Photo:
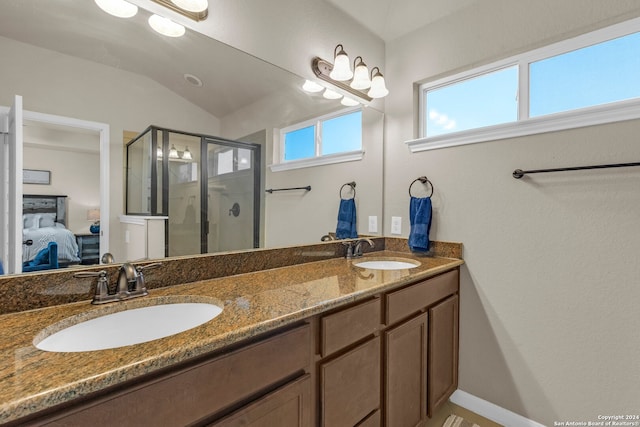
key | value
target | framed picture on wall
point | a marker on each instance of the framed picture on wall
(34, 176)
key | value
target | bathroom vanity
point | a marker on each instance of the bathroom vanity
(323, 343)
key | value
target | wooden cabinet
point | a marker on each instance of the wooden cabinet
(405, 380)
(443, 351)
(349, 374)
(389, 361)
(207, 390)
(289, 406)
(88, 248)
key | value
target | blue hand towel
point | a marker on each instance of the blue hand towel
(420, 217)
(346, 228)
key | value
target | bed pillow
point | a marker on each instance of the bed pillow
(31, 221)
(47, 220)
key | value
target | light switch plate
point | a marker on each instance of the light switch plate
(373, 224)
(396, 225)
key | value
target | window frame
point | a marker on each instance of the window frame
(525, 125)
(347, 156)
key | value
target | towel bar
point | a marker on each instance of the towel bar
(424, 180)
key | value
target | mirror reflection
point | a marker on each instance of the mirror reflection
(73, 60)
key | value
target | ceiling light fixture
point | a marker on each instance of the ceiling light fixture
(166, 26)
(362, 81)
(119, 8)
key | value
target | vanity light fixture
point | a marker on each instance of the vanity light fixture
(119, 8)
(166, 26)
(361, 78)
(378, 87)
(192, 5)
(342, 66)
(324, 70)
(312, 87)
(331, 94)
(349, 102)
(196, 10)
(173, 153)
(186, 154)
(159, 152)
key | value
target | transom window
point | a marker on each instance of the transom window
(577, 82)
(324, 136)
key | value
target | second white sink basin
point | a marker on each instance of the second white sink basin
(133, 326)
(390, 264)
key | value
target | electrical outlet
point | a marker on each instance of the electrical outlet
(373, 224)
(396, 225)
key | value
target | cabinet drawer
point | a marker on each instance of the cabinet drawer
(348, 326)
(410, 300)
(350, 385)
(191, 394)
(289, 406)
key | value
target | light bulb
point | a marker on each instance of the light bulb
(331, 94)
(173, 153)
(342, 66)
(311, 87)
(166, 26)
(192, 5)
(361, 79)
(119, 8)
(349, 102)
(378, 87)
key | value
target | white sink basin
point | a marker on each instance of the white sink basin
(390, 264)
(133, 326)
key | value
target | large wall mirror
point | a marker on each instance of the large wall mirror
(72, 59)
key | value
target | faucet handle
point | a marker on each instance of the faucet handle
(350, 246)
(140, 286)
(102, 287)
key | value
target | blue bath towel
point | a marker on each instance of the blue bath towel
(346, 228)
(420, 217)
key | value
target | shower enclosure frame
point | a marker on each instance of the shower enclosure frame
(205, 140)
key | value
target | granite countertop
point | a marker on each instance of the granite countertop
(32, 380)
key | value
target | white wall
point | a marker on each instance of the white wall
(59, 84)
(55, 151)
(550, 288)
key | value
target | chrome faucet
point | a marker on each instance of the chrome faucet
(130, 283)
(354, 247)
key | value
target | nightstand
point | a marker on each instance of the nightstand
(88, 248)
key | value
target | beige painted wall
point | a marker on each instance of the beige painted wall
(551, 284)
(58, 84)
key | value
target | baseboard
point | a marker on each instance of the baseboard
(491, 411)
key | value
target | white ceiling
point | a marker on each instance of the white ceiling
(391, 19)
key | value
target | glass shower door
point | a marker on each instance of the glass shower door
(232, 195)
(184, 204)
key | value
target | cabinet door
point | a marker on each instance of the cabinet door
(443, 352)
(350, 385)
(406, 374)
(289, 406)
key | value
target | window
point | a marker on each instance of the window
(327, 139)
(485, 100)
(578, 82)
